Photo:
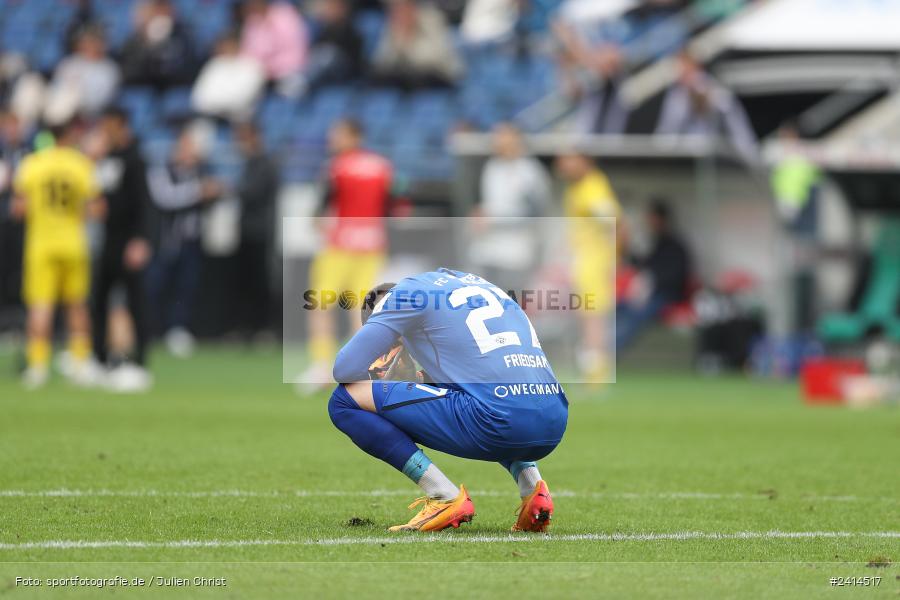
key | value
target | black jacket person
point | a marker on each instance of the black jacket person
(126, 250)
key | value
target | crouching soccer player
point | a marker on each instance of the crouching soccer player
(491, 394)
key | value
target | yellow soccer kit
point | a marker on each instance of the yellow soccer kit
(335, 271)
(57, 184)
(592, 207)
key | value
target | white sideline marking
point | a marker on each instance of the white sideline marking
(69, 493)
(452, 538)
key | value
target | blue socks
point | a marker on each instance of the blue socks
(515, 467)
(376, 435)
(416, 466)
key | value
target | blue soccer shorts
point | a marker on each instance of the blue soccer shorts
(523, 428)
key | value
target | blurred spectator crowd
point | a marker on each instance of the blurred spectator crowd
(411, 71)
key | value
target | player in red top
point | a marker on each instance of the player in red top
(358, 197)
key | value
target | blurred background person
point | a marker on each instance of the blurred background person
(415, 50)
(23, 90)
(796, 183)
(697, 105)
(230, 83)
(160, 52)
(125, 252)
(13, 148)
(595, 233)
(274, 34)
(357, 198)
(85, 82)
(593, 73)
(488, 21)
(179, 190)
(14, 137)
(513, 183)
(257, 190)
(663, 277)
(532, 25)
(336, 54)
(84, 17)
(53, 188)
(514, 187)
(602, 108)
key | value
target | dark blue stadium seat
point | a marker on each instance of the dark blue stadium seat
(141, 107)
(379, 104)
(331, 101)
(117, 18)
(302, 161)
(46, 55)
(431, 102)
(176, 103)
(312, 128)
(277, 118)
(207, 20)
(17, 39)
(276, 107)
(370, 24)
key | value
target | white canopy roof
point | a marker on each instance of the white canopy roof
(579, 11)
(817, 25)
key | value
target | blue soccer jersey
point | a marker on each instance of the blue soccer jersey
(468, 334)
(496, 397)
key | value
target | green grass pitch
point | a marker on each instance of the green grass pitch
(665, 485)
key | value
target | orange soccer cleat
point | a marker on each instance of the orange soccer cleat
(440, 514)
(536, 510)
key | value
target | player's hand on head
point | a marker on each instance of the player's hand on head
(380, 366)
(396, 365)
(403, 368)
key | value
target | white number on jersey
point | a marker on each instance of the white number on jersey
(486, 340)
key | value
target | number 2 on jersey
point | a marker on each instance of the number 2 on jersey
(492, 309)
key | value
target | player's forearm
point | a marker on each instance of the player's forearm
(370, 342)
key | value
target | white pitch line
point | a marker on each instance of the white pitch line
(452, 539)
(235, 493)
